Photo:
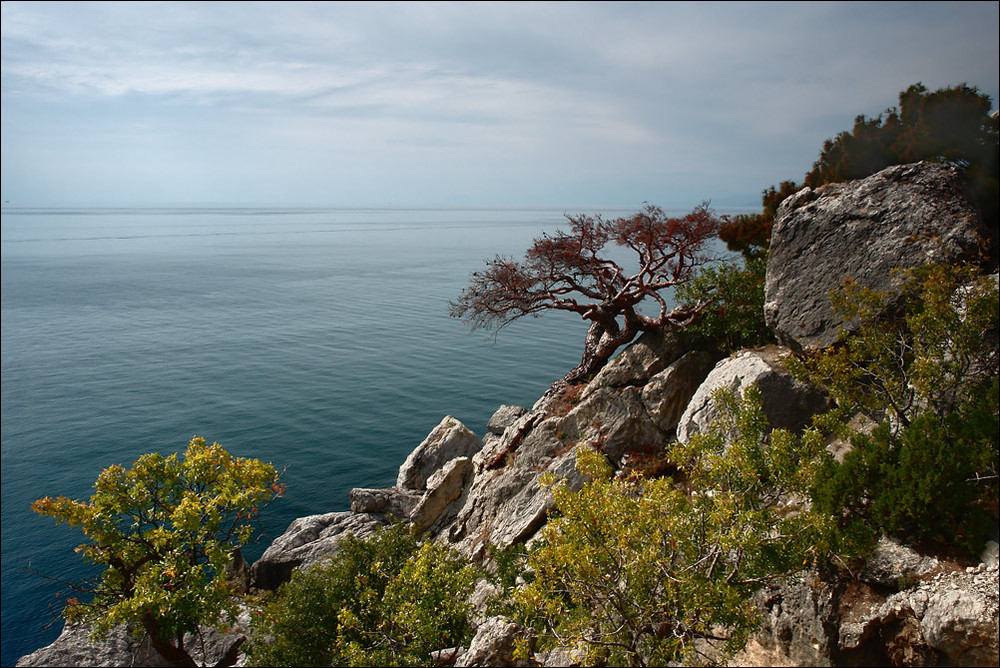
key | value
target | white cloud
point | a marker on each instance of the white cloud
(640, 91)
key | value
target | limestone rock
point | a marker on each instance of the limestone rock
(442, 488)
(798, 626)
(950, 619)
(642, 359)
(74, 647)
(493, 644)
(446, 441)
(902, 216)
(393, 501)
(787, 402)
(504, 417)
(891, 560)
(668, 393)
(308, 540)
(505, 502)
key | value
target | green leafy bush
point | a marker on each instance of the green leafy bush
(644, 571)
(165, 531)
(386, 601)
(923, 365)
(735, 319)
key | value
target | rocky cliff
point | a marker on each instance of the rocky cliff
(905, 607)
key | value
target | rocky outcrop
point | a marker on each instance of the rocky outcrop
(948, 618)
(903, 216)
(448, 440)
(788, 403)
(74, 647)
(494, 644)
(308, 540)
(903, 608)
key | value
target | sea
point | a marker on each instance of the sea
(314, 338)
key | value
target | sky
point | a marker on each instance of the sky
(455, 104)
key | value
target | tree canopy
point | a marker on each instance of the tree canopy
(166, 531)
(571, 272)
(950, 124)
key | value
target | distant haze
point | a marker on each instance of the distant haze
(499, 104)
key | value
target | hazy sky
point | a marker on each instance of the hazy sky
(456, 104)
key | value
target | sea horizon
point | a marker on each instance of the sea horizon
(316, 338)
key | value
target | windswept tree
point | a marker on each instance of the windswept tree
(571, 272)
(166, 531)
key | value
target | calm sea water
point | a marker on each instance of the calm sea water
(316, 339)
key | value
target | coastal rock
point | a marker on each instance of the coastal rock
(448, 440)
(493, 644)
(788, 403)
(394, 501)
(950, 619)
(442, 488)
(504, 417)
(74, 647)
(626, 408)
(902, 216)
(308, 540)
(798, 624)
(892, 561)
(668, 393)
(642, 359)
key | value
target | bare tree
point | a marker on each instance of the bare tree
(567, 272)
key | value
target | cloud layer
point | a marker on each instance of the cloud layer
(507, 103)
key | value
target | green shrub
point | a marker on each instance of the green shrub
(735, 319)
(382, 602)
(645, 571)
(923, 365)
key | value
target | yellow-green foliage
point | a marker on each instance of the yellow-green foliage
(386, 601)
(165, 530)
(646, 571)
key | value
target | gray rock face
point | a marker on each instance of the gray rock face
(799, 624)
(493, 644)
(504, 417)
(73, 647)
(308, 540)
(903, 216)
(641, 360)
(668, 393)
(442, 488)
(393, 501)
(787, 402)
(951, 619)
(448, 440)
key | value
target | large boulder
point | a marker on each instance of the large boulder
(309, 540)
(903, 216)
(788, 403)
(448, 440)
(668, 393)
(494, 644)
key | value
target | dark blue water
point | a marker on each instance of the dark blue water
(318, 340)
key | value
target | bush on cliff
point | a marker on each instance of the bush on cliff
(928, 374)
(387, 601)
(165, 530)
(645, 571)
(735, 292)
